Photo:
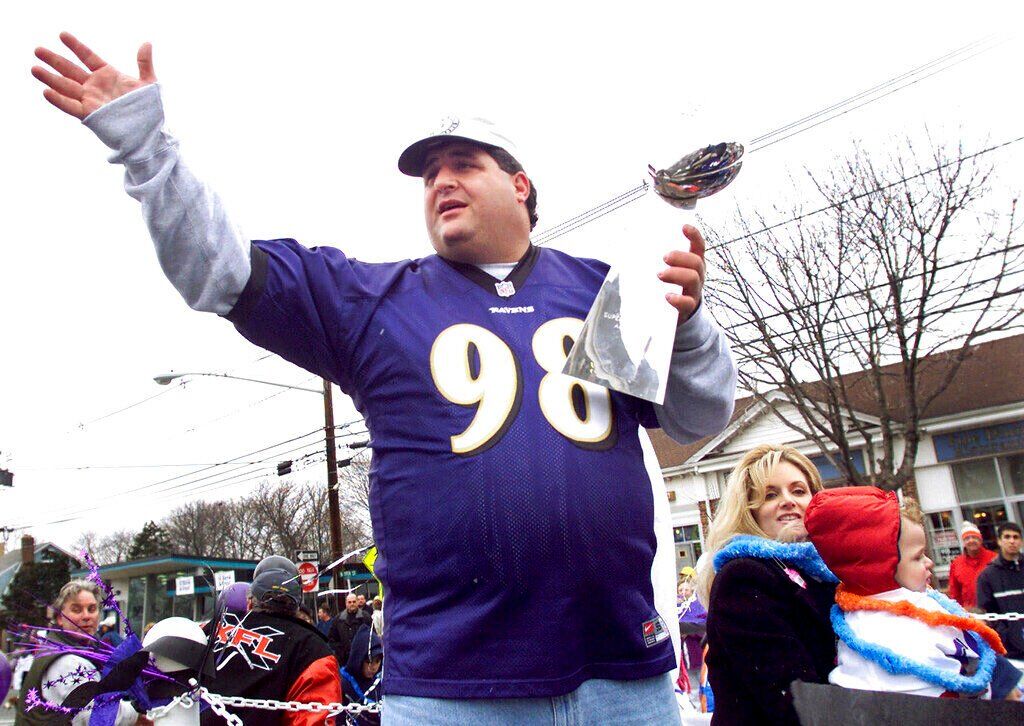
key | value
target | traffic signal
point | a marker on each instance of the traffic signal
(284, 467)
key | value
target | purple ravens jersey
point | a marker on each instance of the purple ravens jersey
(512, 507)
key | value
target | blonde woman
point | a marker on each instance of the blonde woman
(769, 593)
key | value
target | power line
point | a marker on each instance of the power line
(874, 190)
(871, 100)
(88, 467)
(873, 89)
(150, 485)
(882, 285)
(81, 426)
(130, 406)
(591, 215)
(190, 487)
(848, 335)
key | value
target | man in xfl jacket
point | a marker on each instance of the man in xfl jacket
(269, 653)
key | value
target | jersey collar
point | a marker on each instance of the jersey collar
(502, 289)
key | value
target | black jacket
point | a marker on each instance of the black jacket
(764, 632)
(365, 645)
(343, 629)
(263, 655)
(1001, 590)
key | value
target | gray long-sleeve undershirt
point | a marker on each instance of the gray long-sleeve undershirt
(206, 258)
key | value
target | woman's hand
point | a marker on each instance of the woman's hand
(78, 92)
(793, 532)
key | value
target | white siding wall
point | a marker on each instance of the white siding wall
(766, 429)
(935, 488)
(689, 489)
(926, 452)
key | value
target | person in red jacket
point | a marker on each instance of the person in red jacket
(964, 570)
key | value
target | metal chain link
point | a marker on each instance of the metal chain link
(218, 705)
(184, 700)
(268, 704)
(998, 616)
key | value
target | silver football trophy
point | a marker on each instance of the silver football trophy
(626, 340)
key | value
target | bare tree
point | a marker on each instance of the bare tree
(354, 484)
(200, 529)
(862, 311)
(106, 549)
(274, 518)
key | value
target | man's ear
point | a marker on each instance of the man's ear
(522, 185)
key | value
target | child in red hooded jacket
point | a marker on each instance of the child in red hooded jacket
(895, 633)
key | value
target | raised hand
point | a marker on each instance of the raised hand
(686, 269)
(78, 92)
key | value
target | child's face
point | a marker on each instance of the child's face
(915, 569)
(370, 667)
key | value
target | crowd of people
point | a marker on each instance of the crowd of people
(264, 647)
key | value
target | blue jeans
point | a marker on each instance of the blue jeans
(647, 702)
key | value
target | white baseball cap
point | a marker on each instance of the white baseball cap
(473, 129)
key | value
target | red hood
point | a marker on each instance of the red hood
(856, 530)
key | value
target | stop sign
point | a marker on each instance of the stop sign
(308, 576)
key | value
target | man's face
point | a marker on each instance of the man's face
(350, 604)
(360, 600)
(475, 212)
(324, 615)
(1009, 544)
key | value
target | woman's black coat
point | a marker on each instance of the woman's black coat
(764, 632)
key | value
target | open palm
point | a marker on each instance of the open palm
(78, 92)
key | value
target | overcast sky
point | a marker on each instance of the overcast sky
(297, 117)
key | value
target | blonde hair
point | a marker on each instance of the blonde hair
(743, 496)
(911, 511)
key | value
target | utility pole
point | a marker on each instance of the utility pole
(333, 503)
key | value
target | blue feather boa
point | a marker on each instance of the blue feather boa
(902, 666)
(800, 555)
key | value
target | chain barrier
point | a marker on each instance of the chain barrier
(218, 704)
(997, 616)
(184, 701)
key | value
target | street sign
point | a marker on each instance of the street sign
(309, 576)
(224, 579)
(307, 556)
(185, 585)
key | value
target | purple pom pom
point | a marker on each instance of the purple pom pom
(234, 597)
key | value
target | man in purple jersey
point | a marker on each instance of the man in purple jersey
(523, 532)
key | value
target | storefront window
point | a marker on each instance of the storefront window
(942, 535)
(986, 517)
(183, 606)
(976, 480)
(136, 602)
(1011, 471)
